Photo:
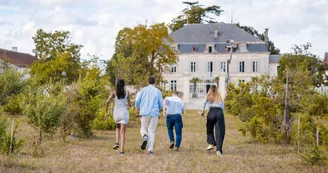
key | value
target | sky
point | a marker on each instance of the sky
(95, 23)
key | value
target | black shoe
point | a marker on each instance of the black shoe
(144, 143)
(150, 153)
(116, 146)
(121, 153)
(171, 145)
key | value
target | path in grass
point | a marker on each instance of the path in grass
(96, 155)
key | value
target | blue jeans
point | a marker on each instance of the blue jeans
(176, 122)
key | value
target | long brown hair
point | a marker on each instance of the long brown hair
(213, 95)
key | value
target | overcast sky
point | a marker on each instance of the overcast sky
(95, 23)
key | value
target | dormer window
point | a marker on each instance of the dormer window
(194, 49)
(210, 49)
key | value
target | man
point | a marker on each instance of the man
(173, 110)
(149, 101)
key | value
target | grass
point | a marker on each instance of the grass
(96, 155)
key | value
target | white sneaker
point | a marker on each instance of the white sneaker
(210, 147)
(219, 154)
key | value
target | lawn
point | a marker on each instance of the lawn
(96, 155)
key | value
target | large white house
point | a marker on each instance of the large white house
(203, 54)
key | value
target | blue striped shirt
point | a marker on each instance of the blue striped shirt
(150, 101)
(174, 105)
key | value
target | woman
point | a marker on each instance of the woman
(215, 118)
(121, 113)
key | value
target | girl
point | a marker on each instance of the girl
(215, 118)
(121, 113)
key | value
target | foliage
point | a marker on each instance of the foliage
(43, 110)
(100, 124)
(302, 59)
(5, 138)
(194, 14)
(12, 106)
(315, 156)
(166, 94)
(271, 47)
(11, 84)
(195, 81)
(84, 99)
(56, 55)
(147, 50)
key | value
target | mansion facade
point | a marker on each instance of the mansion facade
(203, 54)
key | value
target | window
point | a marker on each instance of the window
(193, 67)
(210, 67)
(242, 66)
(255, 66)
(241, 81)
(173, 68)
(210, 49)
(223, 66)
(173, 85)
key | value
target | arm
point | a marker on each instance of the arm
(138, 100)
(204, 105)
(160, 100)
(110, 98)
(164, 107)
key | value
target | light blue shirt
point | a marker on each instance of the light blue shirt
(150, 101)
(213, 105)
(174, 105)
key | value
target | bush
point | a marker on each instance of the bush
(12, 106)
(100, 124)
(315, 156)
(6, 137)
(44, 111)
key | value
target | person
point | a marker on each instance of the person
(121, 113)
(173, 110)
(215, 119)
(148, 104)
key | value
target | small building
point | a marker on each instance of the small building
(20, 62)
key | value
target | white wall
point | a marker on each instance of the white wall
(273, 69)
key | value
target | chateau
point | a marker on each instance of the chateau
(203, 51)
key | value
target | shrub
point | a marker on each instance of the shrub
(5, 138)
(100, 124)
(43, 111)
(315, 156)
(12, 106)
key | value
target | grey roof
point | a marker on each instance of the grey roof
(188, 48)
(257, 48)
(274, 58)
(204, 33)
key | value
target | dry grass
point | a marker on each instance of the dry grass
(96, 155)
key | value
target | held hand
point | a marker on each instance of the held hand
(202, 113)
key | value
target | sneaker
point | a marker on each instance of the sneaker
(121, 153)
(176, 149)
(144, 143)
(210, 147)
(150, 153)
(171, 145)
(116, 146)
(219, 154)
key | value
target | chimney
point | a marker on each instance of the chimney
(216, 33)
(266, 36)
(14, 49)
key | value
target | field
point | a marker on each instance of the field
(96, 155)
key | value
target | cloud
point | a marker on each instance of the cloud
(95, 23)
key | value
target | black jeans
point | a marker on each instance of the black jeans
(215, 118)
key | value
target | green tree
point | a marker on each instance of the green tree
(302, 59)
(11, 84)
(195, 14)
(195, 81)
(43, 110)
(56, 55)
(271, 47)
(148, 46)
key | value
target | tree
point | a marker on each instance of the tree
(195, 14)
(271, 47)
(4, 62)
(149, 45)
(217, 80)
(302, 59)
(43, 110)
(11, 84)
(56, 55)
(194, 81)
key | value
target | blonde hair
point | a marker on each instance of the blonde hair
(213, 95)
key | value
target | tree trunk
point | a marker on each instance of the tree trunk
(298, 133)
(286, 122)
